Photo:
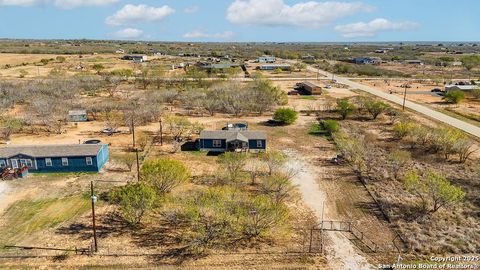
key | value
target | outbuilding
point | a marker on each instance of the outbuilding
(309, 88)
(266, 59)
(55, 158)
(77, 116)
(283, 67)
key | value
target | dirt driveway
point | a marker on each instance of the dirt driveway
(341, 253)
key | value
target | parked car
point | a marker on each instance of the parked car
(293, 93)
(109, 131)
(328, 86)
(436, 90)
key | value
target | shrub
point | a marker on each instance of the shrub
(375, 107)
(398, 160)
(433, 189)
(476, 93)
(454, 97)
(345, 108)
(233, 164)
(402, 129)
(285, 115)
(164, 174)
(134, 200)
(329, 126)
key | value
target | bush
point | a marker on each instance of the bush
(402, 129)
(375, 107)
(134, 200)
(433, 189)
(164, 174)
(329, 126)
(454, 97)
(286, 116)
(345, 108)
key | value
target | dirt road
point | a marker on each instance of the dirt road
(341, 254)
(454, 122)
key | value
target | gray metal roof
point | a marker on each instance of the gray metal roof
(77, 112)
(233, 134)
(65, 150)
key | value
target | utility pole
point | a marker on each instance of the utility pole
(94, 200)
(133, 133)
(161, 131)
(135, 149)
(404, 96)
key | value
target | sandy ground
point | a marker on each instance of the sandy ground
(4, 188)
(341, 254)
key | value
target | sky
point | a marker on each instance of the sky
(242, 20)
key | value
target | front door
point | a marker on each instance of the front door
(14, 163)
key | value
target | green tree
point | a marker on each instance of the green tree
(233, 163)
(471, 61)
(454, 97)
(261, 217)
(398, 159)
(433, 189)
(127, 159)
(285, 116)
(164, 174)
(134, 201)
(345, 108)
(375, 107)
(9, 126)
(277, 186)
(274, 160)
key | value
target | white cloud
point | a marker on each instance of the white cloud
(65, 4)
(370, 29)
(200, 34)
(191, 9)
(128, 33)
(131, 14)
(305, 14)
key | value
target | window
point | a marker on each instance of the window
(259, 144)
(89, 161)
(2, 163)
(48, 162)
(14, 163)
(217, 143)
(64, 161)
(29, 163)
(23, 162)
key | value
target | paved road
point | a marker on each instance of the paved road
(454, 122)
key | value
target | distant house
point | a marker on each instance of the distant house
(367, 60)
(451, 87)
(232, 140)
(220, 66)
(414, 62)
(266, 59)
(136, 58)
(284, 67)
(77, 116)
(55, 158)
(308, 58)
(309, 88)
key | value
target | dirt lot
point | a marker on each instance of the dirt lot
(420, 92)
(345, 199)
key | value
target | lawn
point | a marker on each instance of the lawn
(26, 217)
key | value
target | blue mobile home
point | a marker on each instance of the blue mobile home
(232, 140)
(55, 158)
